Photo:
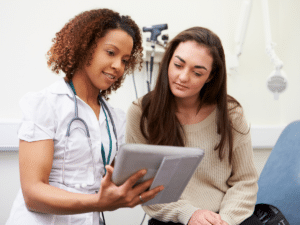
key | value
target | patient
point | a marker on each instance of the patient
(190, 107)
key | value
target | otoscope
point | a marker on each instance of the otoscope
(155, 32)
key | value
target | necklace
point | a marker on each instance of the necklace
(105, 162)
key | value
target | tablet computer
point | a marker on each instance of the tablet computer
(134, 157)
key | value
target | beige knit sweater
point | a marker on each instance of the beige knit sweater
(216, 185)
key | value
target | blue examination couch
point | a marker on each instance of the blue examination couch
(279, 182)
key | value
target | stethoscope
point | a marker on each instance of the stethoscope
(87, 134)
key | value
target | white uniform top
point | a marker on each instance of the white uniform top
(46, 115)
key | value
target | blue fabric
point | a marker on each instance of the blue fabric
(279, 182)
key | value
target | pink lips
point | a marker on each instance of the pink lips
(106, 74)
(181, 86)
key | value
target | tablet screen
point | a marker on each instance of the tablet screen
(134, 157)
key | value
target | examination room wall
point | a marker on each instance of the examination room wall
(27, 28)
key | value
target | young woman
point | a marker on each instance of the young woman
(189, 106)
(69, 134)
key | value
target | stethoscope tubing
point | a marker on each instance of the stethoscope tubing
(111, 120)
(68, 133)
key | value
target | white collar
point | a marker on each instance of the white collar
(60, 87)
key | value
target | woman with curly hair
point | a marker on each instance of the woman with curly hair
(65, 153)
(191, 91)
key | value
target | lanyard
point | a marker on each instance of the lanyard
(110, 144)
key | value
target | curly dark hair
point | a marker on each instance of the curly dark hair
(75, 43)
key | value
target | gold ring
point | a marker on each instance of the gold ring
(141, 198)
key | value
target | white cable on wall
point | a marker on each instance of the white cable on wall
(277, 81)
(242, 26)
(240, 35)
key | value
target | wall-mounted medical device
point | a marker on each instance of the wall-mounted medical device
(276, 82)
(155, 31)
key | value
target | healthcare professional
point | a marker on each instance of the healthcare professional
(69, 134)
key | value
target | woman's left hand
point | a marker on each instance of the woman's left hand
(111, 197)
(206, 217)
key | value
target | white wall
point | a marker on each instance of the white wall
(27, 27)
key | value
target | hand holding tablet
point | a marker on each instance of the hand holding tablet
(170, 166)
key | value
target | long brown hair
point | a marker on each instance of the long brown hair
(75, 43)
(158, 106)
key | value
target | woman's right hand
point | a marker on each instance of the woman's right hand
(206, 217)
(111, 197)
(36, 158)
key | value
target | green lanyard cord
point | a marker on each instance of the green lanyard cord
(72, 86)
(110, 144)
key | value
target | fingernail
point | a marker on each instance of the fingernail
(144, 172)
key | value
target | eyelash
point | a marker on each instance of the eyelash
(112, 53)
(179, 66)
(125, 62)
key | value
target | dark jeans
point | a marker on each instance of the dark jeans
(253, 220)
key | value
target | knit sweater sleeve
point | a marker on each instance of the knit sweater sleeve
(133, 133)
(239, 200)
(180, 211)
(177, 212)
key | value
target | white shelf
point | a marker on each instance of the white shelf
(263, 136)
(9, 135)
